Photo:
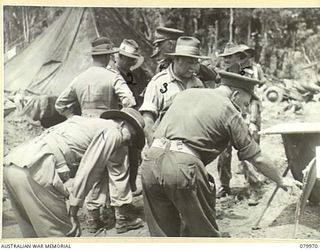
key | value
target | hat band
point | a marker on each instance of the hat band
(102, 48)
(185, 49)
(128, 49)
(160, 37)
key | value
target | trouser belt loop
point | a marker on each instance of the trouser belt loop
(179, 145)
(167, 144)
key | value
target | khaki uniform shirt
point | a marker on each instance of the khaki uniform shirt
(97, 89)
(162, 89)
(79, 148)
(207, 122)
(136, 80)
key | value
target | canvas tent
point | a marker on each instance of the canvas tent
(49, 63)
(60, 53)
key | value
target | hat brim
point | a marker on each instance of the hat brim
(109, 52)
(187, 55)
(140, 59)
(251, 81)
(249, 52)
(138, 64)
(231, 53)
(118, 114)
(159, 40)
(124, 53)
(236, 82)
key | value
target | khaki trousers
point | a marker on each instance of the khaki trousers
(178, 198)
(39, 212)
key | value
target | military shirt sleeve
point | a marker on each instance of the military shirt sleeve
(255, 111)
(152, 99)
(261, 76)
(93, 164)
(241, 139)
(123, 92)
(67, 101)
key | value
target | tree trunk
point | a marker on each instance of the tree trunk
(27, 24)
(161, 21)
(230, 26)
(187, 23)
(7, 29)
(249, 32)
(147, 34)
(24, 23)
(216, 24)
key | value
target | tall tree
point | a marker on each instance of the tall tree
(231, 26)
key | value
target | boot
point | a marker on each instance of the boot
(223, 191)
(124, 223)
(108, 217)
(254, 198)
(93, 220)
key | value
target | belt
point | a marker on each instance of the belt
(173, 145)
(93, 112)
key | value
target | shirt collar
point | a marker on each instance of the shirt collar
(174, 77)
(236, 106)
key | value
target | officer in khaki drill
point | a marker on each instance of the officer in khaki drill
(128, 64)
(165, 85)
(232, 56)
(178, 198)
(96, 90)
(236, 60)
(165, 41)
(253, 118)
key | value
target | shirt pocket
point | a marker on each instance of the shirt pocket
(186, 176)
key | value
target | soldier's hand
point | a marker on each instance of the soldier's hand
(289, 183)
(76, 229)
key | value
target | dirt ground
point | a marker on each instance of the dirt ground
(233, 213)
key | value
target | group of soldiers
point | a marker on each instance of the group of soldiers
(171, 127)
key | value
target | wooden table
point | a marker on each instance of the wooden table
(300, 141)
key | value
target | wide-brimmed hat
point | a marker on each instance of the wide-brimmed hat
(164, 33)
(249, 51)
(130, 48)
(102, 46)
(239, 81)
(231, 49)
(133, 117)
(187, 46)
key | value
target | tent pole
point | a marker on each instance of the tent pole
(94, 22)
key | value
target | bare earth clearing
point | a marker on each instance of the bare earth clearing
(233, 213)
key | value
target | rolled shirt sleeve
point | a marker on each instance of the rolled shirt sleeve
(241, 138)
(255, 112)
(93, 164)
(123, 91)
(67, 101)
(152, 99)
